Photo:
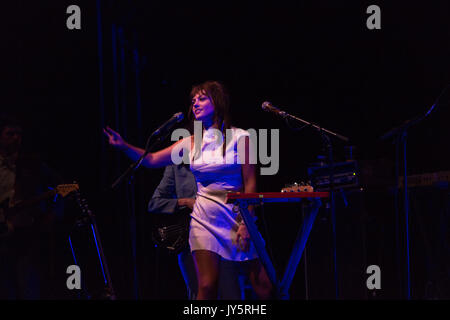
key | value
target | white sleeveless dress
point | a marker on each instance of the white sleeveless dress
(213, 224)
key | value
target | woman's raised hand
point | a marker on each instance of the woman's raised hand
(114, 138)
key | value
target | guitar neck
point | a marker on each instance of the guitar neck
(35, 200)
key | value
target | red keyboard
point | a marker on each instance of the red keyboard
(274, 196)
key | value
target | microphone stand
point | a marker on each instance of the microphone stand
(325, 136)
(321, 130)
(129, 172)
(129, 176)
(399, 135)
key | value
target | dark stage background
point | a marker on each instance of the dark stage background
(131, 66)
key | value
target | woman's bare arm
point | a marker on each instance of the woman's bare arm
(249, 184)
(156, 159)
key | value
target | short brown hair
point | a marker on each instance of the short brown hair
(220, 98)
(218, 93)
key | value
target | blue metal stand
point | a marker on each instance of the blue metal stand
(281, 288)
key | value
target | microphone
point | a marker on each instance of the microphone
(269, 107)
(177, 117)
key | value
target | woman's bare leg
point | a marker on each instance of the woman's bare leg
(260, 281)
(207, 268)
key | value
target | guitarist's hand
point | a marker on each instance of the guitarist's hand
(186, 202)
(114, 138)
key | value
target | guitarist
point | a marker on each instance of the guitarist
(174, 199)
(25, 256)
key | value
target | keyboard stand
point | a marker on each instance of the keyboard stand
(281, 288)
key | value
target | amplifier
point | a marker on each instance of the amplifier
(440, 178)
(345, 175)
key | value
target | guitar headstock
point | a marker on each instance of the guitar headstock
(298, 187)
(65, 189)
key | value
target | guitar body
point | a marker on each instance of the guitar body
(171, 231)
(24, 214)
(17, 226)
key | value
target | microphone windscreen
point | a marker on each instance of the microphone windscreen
(179, 116)
(266, 105)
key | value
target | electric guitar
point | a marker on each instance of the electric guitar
(171, 231)
(18, 217)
